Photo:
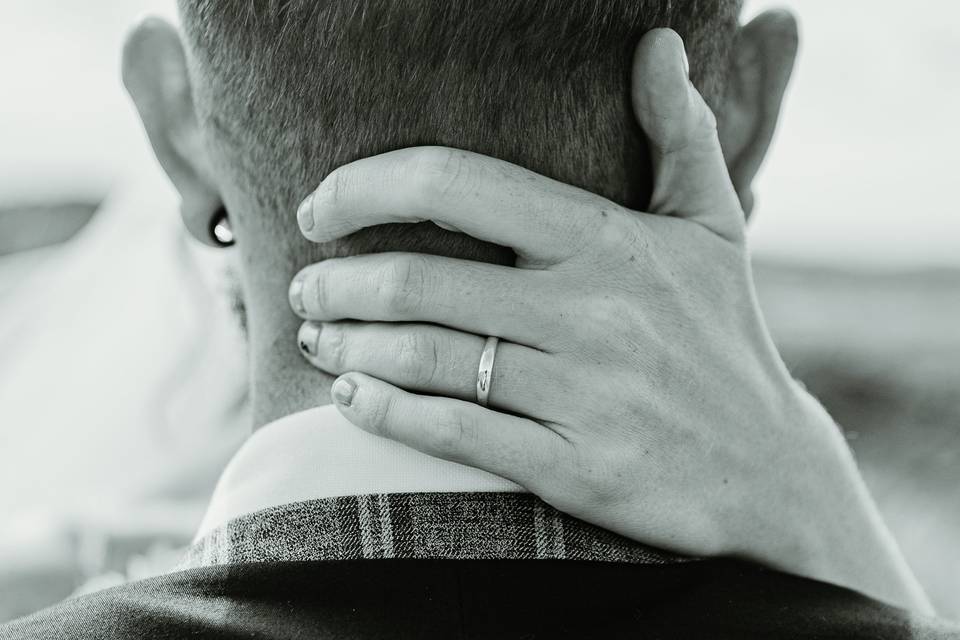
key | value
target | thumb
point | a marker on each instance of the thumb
(691, 180)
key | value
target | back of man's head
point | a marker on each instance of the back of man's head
(287, 90)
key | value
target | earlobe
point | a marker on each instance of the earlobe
(760, 69)
(156, 76)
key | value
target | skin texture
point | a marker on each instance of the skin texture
(612, 322)
(682, 405)
(157, 75)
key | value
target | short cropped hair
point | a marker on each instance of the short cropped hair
(289, 90)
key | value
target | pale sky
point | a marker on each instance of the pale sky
(865, 165)
(863, 171)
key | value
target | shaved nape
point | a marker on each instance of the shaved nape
(287, 90)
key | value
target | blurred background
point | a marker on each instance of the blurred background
(118, 406)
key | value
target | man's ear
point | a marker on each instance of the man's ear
(760, 69)
(155, 74)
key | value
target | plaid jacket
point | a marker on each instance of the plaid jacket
(448, 526)
(495, 566)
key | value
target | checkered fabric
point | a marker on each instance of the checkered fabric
(455, 526)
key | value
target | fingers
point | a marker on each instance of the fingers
(514, 448)
(516, 304)
(542, 220)
(690, 175)
(436, 360)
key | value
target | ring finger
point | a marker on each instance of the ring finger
(436, 360)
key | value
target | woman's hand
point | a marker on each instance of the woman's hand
(635, 385)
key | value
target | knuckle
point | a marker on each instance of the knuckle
(618, 234)
(417, 358)
(451, 433)
(336, 348)
(319, 292)
(336, 186)
(704, 138)
(403, 285)
(437, 172)
(380, 414)
(609, 310)
(708, 120)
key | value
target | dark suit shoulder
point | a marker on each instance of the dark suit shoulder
(422, 599)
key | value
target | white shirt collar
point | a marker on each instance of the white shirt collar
(318, 454)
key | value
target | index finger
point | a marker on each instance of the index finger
(542, 220)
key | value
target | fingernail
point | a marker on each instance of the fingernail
(343, 390)
(686, 60)
(305, 214)
(296, 294)
(309, 338)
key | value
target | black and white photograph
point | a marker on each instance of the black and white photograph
(479, 319)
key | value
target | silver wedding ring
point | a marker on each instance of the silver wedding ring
(485, 373)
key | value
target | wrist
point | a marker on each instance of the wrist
(824, 524)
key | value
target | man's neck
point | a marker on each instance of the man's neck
(282, 382)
